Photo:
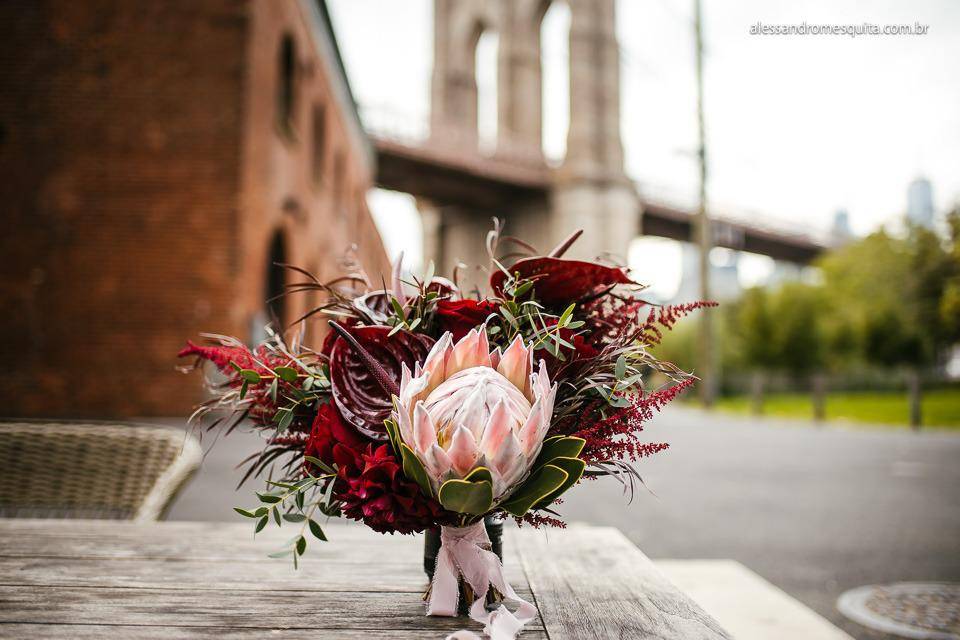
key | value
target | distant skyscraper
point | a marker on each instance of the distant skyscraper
(840, 233)
(920, 203)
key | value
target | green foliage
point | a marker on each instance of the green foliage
(542, 483)
(467, 496)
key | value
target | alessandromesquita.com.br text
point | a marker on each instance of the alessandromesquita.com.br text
(850, 30)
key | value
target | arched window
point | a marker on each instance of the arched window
(275, 280)
(555, 80)
(287, 83)
(319, 142)
(485, 69)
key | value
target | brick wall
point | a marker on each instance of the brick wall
(144, 177)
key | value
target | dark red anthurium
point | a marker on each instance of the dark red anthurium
(560, 282)
(359, 397)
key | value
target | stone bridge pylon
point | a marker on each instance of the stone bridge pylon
(589, 188)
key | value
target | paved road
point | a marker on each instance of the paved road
(814, 511)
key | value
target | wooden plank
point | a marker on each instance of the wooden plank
(359, 610)
(96, 632)
(591, 582)
(277, 575)
(231, 543)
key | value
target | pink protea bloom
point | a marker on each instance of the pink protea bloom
(468, 407)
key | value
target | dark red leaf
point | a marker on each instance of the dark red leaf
(560, 282)
(361, 400)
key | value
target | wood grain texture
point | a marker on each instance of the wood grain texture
(592, 583)
(91, 579)
(129, 632)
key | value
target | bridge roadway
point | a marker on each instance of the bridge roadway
(450, 177)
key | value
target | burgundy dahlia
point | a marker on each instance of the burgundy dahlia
(370, 484)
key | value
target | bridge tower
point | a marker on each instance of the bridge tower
(589, 189)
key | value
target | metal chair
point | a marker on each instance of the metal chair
(103, 470)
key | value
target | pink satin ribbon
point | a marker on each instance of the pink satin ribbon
(466, 551)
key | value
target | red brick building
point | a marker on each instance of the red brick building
(156, 159)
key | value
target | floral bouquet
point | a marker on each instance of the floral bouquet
(426, 408)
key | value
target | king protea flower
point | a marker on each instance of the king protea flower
(468, 407)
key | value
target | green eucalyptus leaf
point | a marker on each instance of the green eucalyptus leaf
(301, 545)
(249, 375)
(538, 486)
(261, 524)
(268, 498)
(317, 531)
(287, 374)
(245, 513)
(621, 367)
(462, 496)
(413, 469)
(276, 516)
(294, 517)
(574, 468)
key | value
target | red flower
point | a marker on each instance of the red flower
(560, 282)
(359, 397)
(370, 483)
(459, 316)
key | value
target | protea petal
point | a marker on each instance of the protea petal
(530, 429)
(424, 432)
(498, 427)
(437, 463)
(509, 459)
(463, 450)
(514, 365)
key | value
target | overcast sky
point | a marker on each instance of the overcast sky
(798, 126)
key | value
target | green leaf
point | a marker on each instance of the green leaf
(538, 486)
(301, 545)
(413, 469)
(323, 466)
(268, 498)
(249, 375)
(276, 516)
(317, 531)
(298, 500)
(574, 468)
(243, 389)
(245, 513)
(287, 374)
(294, 517)
(260, 512)
(621, 369)
(392, 434)
(280, 554)
(273, 389)
(480, 474)
(565, 316)
(261, 524)
(559, 447)
(462, 496)
(285, 421)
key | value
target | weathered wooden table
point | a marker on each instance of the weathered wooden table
(94, 579)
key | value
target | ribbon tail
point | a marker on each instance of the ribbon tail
(445, 590)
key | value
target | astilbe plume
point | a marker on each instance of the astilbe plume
(617, 434)
(261, 405)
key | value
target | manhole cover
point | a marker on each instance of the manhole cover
(926, 610)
